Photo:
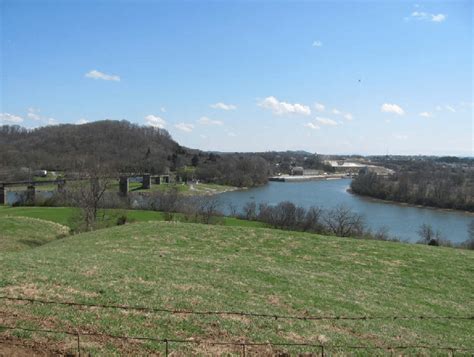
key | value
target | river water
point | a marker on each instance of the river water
(402, 221)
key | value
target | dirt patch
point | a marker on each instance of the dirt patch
(12, 346)
(53, 291)
(243, 319)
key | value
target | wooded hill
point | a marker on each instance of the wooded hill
(119, 146)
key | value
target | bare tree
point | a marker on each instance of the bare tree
(342, 222)
(428, 235)
(250, 210)
(470, 230)
(206, 208)
(469, 243)
(88, 192)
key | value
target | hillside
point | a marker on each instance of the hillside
(34, 232)
(119, 144)
(174, 265)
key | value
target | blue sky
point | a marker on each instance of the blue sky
(362, 77)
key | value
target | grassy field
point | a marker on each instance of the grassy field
(191, 266)
(20, 233)
(186, 189)
(66, 215)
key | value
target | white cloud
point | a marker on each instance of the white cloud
(51, 121)
(317, 44)
(184, 127)
(326, 121)
(10, 118)
(155, 121)
(82, 121)
(163, 109)
(450, 108)
(319, 107)
(392, 108)
(33, 114)
(426, 115)
(94, 74)
(207, 121)
(281, 108)
(336, 111)
(223, 106)
(426, 16)
(231, 134)
(312, 126)
(348, 116)
(438, 18)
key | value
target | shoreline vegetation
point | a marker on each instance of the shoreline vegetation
(407, 204)
(195, 202)
(427, 184)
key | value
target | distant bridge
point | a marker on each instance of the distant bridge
(124, 187)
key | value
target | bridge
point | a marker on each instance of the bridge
(124, 184)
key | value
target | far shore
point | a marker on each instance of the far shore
(375, 199)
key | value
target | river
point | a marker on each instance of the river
(402, 221)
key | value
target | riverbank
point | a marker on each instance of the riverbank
(402, 221)
(302, 178)
(406, 204)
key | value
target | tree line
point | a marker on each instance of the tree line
(119, 147)
(428, 183)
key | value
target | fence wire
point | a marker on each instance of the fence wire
(239, 313)
(320, 348)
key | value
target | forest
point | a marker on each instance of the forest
(123, 147)
(436, 182)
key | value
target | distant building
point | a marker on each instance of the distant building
(311, 172)
(297, 171)
(300, 171)
(355, 167)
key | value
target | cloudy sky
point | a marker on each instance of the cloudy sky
(368, 77)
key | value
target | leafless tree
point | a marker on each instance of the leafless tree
(250, 210)
(342, 222)
(206, 208)
(87, 193)
(429, 236)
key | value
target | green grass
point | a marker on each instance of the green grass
(187, 189)
(66, 215)
(20, 233)
(192, 266)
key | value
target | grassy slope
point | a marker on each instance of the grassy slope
(33, 233)
(201, 267)
(64, 215)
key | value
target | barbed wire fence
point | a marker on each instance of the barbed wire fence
(319, 348)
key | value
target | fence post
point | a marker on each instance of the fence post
(166, 348)
(322, 350)
(243, 350)
(78, 343)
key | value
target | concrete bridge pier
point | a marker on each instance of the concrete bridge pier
(123, 185)
(30, 194)
(146, 184)
(3, 195)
